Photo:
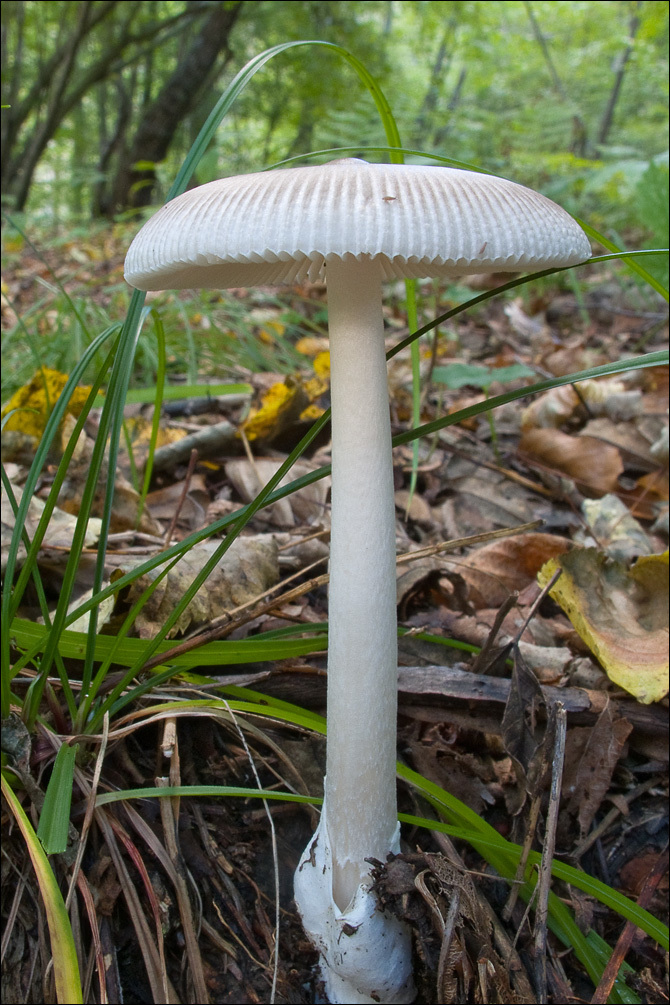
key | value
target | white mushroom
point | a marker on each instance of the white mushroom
(354, 224)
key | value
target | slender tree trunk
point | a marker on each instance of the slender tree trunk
(608, 114)
(45, 130)
(579, 139)
(112, 143)
(542, 42)
(60, 81)
(133, 187)
(442, 133)
(429, 104)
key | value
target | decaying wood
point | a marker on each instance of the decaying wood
(437, 693)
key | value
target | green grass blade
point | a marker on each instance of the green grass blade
(55, 814)
(469, 828)
(621, 366)
(207, 791)
(32, 638)
(12, 595)
(66, 967)
(179, 392)
(243, 78)
(158, 402)
(388, 150)
(271, 495)
(628, 260)
(511, 285)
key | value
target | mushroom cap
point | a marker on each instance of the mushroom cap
(281, 227)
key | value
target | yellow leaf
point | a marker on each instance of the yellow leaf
(309, 345)
(33, 403)
(620, 613)
(322, 365)
(274, 403)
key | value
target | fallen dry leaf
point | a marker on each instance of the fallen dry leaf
(164, 502)
(503, 567)
(594, 466)
(628, 437)
(33, 403)
(591, 755)
(615, 529)
(484, 502)
(59, 532)
(551, 410)
(307, 506)
(248, 568)
(621, 614)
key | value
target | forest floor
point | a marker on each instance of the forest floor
(183, 893)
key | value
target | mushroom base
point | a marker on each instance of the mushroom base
(366, 955)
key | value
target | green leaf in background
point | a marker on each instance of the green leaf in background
(457, 375)
(652, 199)
(179, 392)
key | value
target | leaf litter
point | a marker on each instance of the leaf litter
(586, 469)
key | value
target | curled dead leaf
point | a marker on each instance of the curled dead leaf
(307, 506)
(247, 570)
(620, 613)
(503, 567)
(593, 465)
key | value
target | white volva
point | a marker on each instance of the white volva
(354, 224)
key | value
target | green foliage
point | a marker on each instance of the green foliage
(520, 88)
(457, 375)
(652, 197)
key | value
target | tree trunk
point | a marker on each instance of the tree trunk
(133, 186)
(62, 79)
(426, 113)
(579, 137)
(608, 114)
(20, 170)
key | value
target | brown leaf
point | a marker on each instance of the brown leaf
(630, 440)
(591, 755)
(307, 506)
(507, 566)
(595, 466)
(248, 568)
(163, 503)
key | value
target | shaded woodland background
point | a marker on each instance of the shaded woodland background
(103, 99)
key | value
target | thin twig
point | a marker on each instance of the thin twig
(544, 880)
(192, 461)
(538, 600)
(519, 878)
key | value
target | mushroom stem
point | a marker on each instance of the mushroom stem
(362, 634)
(365, 954)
